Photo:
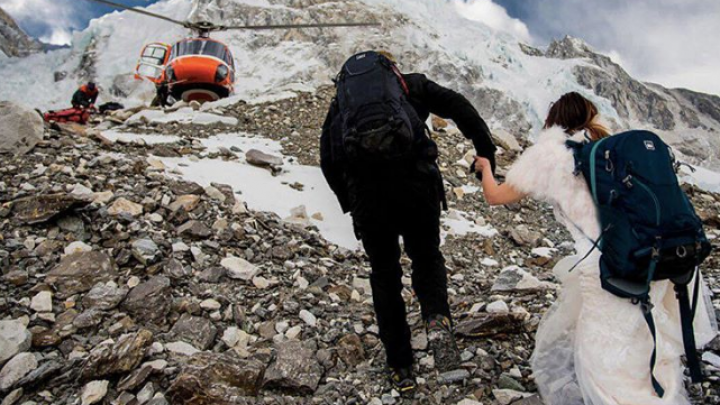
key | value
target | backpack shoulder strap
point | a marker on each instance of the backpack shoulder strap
(576, 148)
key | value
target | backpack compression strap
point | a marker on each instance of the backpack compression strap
(647, 307)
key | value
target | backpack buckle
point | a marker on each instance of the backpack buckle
(627, 181)
(646, 306)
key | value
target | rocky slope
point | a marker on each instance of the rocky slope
(13, 41)
(123, 283)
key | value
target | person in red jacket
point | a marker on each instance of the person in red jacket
(85, 96)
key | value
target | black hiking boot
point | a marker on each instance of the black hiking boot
(403, 380)
(441, 341)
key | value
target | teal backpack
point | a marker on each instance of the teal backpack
(650, 230)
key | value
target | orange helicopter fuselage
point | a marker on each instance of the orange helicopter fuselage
(199, 69)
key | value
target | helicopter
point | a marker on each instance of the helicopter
(198, 68)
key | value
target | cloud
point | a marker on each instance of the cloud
(494, 16)
(53, 21)
(672, 42)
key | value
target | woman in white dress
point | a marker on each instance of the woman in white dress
(592, 348)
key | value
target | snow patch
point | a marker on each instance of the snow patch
(242, 141)
(297, 185)
(149, 139)
(702, 178)
(185, 115)
(459, 223)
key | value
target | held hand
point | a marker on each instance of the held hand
(482, 164)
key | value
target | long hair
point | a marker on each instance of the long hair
(574, 113)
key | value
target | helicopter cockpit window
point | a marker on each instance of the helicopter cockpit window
(200, 47)
(151, 62)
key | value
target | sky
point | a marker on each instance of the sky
(671, 42)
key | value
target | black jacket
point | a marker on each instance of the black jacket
(83, 99)
(426, 97)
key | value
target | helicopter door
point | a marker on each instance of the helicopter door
(152, 62)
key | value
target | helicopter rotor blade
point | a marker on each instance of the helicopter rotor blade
(140, 11)
(292, 26)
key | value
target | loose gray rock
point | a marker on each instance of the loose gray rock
(350, 350)
(17, 368)
(515, 279)
(213, 378)
(150, 301)
(199, 332)
(523, 236)
(104, 296)
(123, 356)
(94, 392)
(454, 376)
(146, 251)
(79, 272)
(262, 159)
(41, 208)
(194, 230)
(491, 324)
(14, 338)
(295, 369)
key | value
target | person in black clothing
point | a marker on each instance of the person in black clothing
(405, 199)
(85, 96)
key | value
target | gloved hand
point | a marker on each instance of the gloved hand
(478, 173)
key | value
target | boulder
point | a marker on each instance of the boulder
(146, 251)
(21, 128)
(94, 392)
(194, 230)
(491, 324)
(523, 236)
(150, 301)
(187, 202)
(350, 350)
(507, 397)
(262, 159)
(104, 296)
(17, 368)
(123, 206)
(42, 302)
(295, 369)
(506, 140)
(110, 359)
(79, 272)
(209, 378)
(239, 269)
(198, 331)
(453, 377)
(41, 208)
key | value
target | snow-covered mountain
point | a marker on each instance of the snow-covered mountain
(512, 84)
(13, 40)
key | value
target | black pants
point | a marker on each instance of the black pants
(384, 212)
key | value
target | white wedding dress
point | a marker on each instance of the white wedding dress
(593, 348)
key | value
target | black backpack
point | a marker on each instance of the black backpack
(650, 229)
(378, 123)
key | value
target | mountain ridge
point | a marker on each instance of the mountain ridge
(510, 83)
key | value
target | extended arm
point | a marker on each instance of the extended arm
(496, 194)
(450, 104)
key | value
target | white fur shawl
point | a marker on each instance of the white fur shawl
(545, 171)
